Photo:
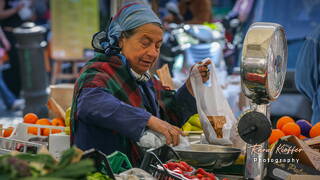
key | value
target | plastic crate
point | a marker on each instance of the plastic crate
(119, 162)
(114, 163)
(154, 159)
(101, 162)
(21, 131)
(7, 145)
(55, 143)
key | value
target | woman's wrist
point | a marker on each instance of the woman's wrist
(189, 86)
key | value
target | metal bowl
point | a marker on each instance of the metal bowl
(206, 155)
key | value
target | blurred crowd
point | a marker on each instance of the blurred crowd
(12, 14)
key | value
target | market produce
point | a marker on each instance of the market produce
(43, 121)
(189, 172)
(315, 130)
(284, 120)
(46, 131)
(187, 127)
(30, 118)
(98, 176)
(302, 137)
(291, 128)
(58, 122)
(8, 131)
(305, 127)
(287, 126)
(195, 121)
(276, 134)
(67, 121)
(43, 166)
(193, 124)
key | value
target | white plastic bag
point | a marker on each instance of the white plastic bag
(211, 102)
(152, 139)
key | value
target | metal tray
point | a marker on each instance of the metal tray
(207, 155)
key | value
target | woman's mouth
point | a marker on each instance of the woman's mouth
(145, 63)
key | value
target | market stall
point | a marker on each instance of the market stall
(212, 148)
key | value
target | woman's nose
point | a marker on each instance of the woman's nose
(153, 52)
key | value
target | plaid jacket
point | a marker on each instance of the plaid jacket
(112, 75)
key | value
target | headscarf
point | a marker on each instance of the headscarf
(130, 16)
(308, 72)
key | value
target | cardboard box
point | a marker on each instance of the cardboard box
(314, 143)
(304, 177)
(308, 156)
(62, 94)
(289, 150)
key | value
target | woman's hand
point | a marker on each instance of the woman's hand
(204, 72)
(172, 133)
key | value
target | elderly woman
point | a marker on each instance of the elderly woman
(116, 99)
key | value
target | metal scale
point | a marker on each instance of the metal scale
(263, 69)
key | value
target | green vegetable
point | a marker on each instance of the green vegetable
(75, 170)
(98, 176)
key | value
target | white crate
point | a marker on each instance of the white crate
(7, 145)
(21, 131)
(20, 136)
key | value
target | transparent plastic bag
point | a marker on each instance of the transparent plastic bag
(211, 102)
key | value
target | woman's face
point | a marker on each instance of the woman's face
(143, 47)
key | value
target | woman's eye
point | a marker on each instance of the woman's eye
(145, 43)
(158, 45)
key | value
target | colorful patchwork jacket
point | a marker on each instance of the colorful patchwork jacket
(104, 80)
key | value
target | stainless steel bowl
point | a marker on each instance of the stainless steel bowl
(206, 155)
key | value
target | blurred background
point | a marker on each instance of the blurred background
(44, 44)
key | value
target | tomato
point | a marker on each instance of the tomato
(199, 176)
(171, 165)
(178, 170)
(201, 171)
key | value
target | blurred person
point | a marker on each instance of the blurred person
(307, 74)
(196, 11)
(8, 98)
(116, 99)
(41, 15)
(12, 13)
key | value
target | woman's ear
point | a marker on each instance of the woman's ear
(121, 43)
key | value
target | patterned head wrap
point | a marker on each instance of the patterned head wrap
(130, 16)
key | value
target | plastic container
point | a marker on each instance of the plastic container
(101, 162)
(119, 162)
(154, 159)
(7, 145)
(21, 131)
(114, 163)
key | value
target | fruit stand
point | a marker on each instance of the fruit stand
(39, 148)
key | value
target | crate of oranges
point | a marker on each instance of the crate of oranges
(34, 126)
(288, 126)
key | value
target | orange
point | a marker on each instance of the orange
(33, 130)
(46, 131)
(7, 132)
(291, 128)
(302, 137)
(58, 122)
(30, 118)
(315, 130)
(276, 134)
(283, 120)
(43, 121)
